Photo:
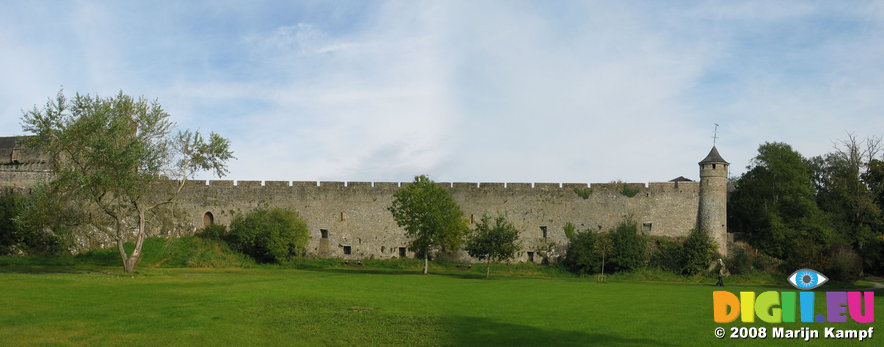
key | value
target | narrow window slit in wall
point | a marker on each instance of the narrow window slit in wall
(402, 252)
(543, 229)
(323, 233)
(347, 250)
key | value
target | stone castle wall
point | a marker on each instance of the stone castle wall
(352, 217)
(355, 215)
(20, 167)
(21, 176)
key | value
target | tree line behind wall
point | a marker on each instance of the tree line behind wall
(823, 212)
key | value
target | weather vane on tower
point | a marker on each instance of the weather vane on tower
(715, 135)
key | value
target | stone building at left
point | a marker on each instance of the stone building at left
(20, 167)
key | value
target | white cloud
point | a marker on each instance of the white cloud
(371, 106)
(466, 91)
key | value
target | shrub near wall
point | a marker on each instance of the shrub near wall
(667, 254)
(10, 204)
(215, 232)
(629, 247)
(30, 226)
(843, 263)
(688, 256)
(738, 261)
(873, 255)
(269, 235)
(743, 259)
(582, 257)
(699, 251)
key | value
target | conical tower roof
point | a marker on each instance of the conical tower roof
(713, 157)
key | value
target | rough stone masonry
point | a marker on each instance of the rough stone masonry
(350, 220)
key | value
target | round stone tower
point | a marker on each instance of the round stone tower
(712, 213)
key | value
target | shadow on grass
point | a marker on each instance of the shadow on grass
(473, 331)
(376, 271)
(56, 269)
(337, 322)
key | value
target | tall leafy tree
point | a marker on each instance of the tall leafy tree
(874, 179)
(497, 242)
(431, 218)
(873, 250)
(773, 202)
(603, 245)
(842, 192)
(120, 159)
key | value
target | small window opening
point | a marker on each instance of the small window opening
(402, 252)
(543, 229)
(713, 166)
(472, 219)
(531, 256)
(208, 219)
(347, 250)
(342, 216)
(324, 233)
(646, 226)
(16, 156)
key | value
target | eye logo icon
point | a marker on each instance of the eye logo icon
(807, 279)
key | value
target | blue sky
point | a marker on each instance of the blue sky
(465, 91)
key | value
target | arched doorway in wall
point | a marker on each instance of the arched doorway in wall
(208, 219)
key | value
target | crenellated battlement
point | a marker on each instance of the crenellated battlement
(651, 187)
(355, 214)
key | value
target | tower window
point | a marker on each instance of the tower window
(531, 256)
(646, 226)
(402, 252)
(713, 166)
(347, 250)
(324, 233)
(543, 229)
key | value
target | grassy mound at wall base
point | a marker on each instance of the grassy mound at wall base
(156, 252)
(168, 253)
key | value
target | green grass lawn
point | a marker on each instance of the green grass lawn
(73, 305)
